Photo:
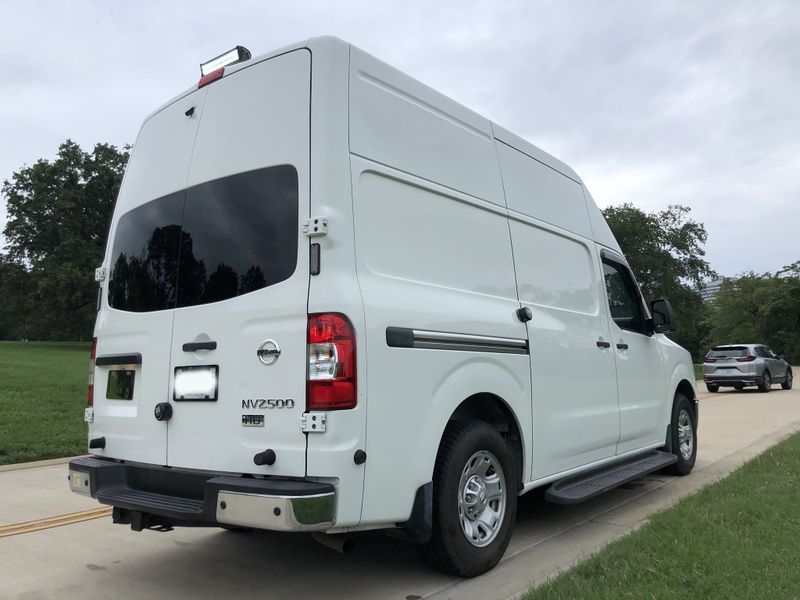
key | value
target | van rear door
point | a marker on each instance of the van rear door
(136, 320)
(238, 358)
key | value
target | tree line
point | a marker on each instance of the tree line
(665, 250)
(59, 213)
(761, 308)
(58, 217)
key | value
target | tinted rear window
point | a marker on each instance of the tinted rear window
(728, 353)
(212, 242)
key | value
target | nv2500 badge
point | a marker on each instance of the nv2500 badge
(268, 403)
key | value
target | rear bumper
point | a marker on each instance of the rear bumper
(151, 496)
(732, 380)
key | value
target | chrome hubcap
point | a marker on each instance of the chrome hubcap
(482, 498)
(685, 434)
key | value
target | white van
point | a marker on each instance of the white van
(335, 300)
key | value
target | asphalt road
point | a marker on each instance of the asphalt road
(55, 544)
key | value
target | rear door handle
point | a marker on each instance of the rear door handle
(602, 344)
(622, 346)
(194, 346)
(107, 360)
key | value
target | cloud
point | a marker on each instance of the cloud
(652, 103)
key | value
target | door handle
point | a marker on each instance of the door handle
(194, 346)
(622, 346)
(602, 344)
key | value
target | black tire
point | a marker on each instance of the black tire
(766, 383)
(685, 464)
(738, 387)
(712, 387)
(449, 550)
(787, 383)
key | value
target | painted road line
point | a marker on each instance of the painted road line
(58, 521)
(67, 516)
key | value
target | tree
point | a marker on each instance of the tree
(761, 309)
(666, 253)
(15, 286)
(59, 212)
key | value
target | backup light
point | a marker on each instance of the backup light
(237, 55)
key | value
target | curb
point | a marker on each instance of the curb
(38, 464)
(515, 576)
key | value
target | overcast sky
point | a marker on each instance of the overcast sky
(653, 103)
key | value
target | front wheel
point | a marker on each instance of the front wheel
(474, 500)
(766, 383)
(683, 432)
(787, 383)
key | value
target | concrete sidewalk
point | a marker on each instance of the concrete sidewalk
(96, 559)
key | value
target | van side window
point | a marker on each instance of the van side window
(214, 241)
(624, 300)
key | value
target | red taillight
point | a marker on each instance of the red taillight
(707, 359)
(746, 359)
(211, 77)
(331, 376)
(90, 399)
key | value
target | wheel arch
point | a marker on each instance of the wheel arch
(495, 411)
(686, 388)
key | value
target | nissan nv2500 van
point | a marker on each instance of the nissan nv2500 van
(335, 300)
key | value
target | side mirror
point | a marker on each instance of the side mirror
(782, 357)
(663, 316)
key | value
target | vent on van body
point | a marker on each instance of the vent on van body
(214, 241)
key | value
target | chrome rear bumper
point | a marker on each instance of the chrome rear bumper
(149, 496)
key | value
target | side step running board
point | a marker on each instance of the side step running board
(580, 488)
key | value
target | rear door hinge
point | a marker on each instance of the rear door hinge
(313, 422)
(316, 227)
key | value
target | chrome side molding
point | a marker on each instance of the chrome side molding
(403, 337)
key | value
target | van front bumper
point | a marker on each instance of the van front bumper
(149, 496)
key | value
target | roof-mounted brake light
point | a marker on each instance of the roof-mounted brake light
(213, 76)
(237, 55)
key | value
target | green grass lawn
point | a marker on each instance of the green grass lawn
(738, 538)
(698, 371)
(42, 397)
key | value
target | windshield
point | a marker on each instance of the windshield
(211, 242)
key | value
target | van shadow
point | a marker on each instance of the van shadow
(216, 563)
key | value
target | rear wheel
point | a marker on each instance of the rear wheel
(766, 383)
(683, 429)
(787, 383)
(474, 500)
(712, 387)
